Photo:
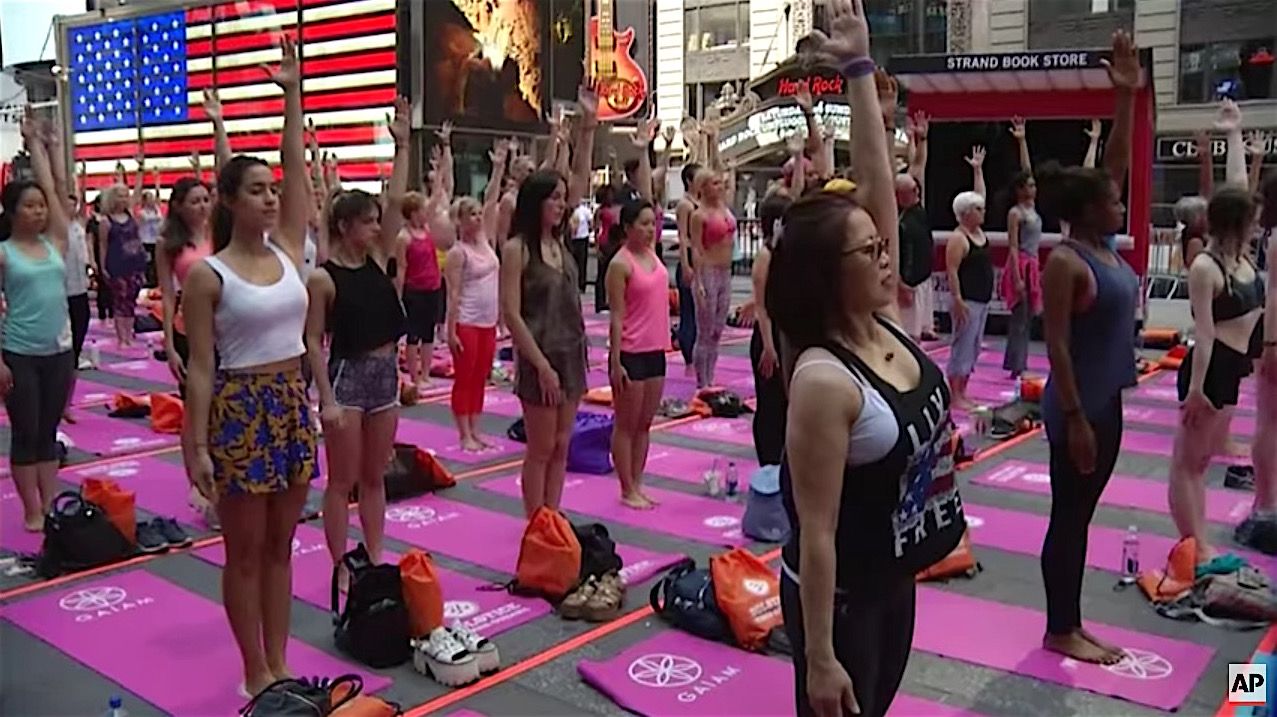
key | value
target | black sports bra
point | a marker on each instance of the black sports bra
(1237, 299)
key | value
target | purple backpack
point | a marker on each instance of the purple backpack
(590, 450)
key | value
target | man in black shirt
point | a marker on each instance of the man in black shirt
(917, 248)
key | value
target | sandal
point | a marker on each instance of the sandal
(605, 604)
(573, 606)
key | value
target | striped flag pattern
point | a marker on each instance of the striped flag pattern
(141, 79)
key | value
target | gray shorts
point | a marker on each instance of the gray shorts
(366, 383)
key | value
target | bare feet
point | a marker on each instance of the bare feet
(1076, 646)
(34, 525)
(1108, 647)
(471, 445)
(1233, 448)
(483, 441)
(282, 672)
(343, 578)
(651, 501)
(636, 501)
(962, 403)
(255, 684)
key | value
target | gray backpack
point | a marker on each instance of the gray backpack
(765, 517)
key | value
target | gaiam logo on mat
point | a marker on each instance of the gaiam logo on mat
(410, 514)
(97, 602)
(664, 670)
(459, 609)
(126, 442)
(721, 521)
(1142, 665)
(756, 587)
(300, 550)
(974, 521)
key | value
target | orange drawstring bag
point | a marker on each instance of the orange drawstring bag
(167, 413)
(748, 594)
(116, 502)
(960, 562)
(549, 557)
(421, 592)
(1177, 579)
(599, 396)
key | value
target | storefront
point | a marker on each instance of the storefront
(1175, 169)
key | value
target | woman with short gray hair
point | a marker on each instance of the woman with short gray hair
(970, 269)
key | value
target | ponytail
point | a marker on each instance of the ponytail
(223, 222)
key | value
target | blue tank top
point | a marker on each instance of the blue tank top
(1101, 341)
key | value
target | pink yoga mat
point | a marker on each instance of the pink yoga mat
(1242, 425)
(13, 535)
(737, 431)
(708, 520)
(674, 673)
(106, 436)
(90, 393)
(501, 402)
(443, 440)
(991, 359)
(158, 486)
(1157, 672)
(1017, 532)
(689, 466)
(1222, 505)
(1162, 388)
(1161, 444)
(487, 538)
(490, 612)
(146, 369)
(161, 642)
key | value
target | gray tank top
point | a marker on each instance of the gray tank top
(1030, 229)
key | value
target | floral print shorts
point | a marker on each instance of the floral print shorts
(261, 435)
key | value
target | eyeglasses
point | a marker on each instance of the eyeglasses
(874, 249)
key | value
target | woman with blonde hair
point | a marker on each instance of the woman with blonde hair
(125, 258)
(713, 238)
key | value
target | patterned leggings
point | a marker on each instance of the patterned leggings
(711, 318)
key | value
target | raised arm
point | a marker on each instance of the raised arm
(1255, 145)
(662, 169)
(976, 160)
(919, 127)
(1205, 164)
(1229, 121)
(295, 200)
(221, 140)
(139, 182)
(392, 203)
(1093, 149)
(1021, 135)
(492, 193)
(42, 167)
(582, 161)
(643, 135)
(815, 144)
(1124, 72)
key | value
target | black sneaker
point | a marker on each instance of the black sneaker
(172, 533)
(1240, 478)
(150, 539)
(1258, 532)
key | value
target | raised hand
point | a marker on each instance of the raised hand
(803, 96)
(1202, 138)
(1124, 68)
(1094, 130)
(848, 37)
(1256, 143)
(30, 125)
(588, 98)
(194, 159)
(888, 89)
(288, 74)
(644, 133)
(976, 160)
(213, 104)
(500, 150)
(1017, 128)
(668, 134)
(399, 125)
(795, 143)
(921, 125)
(1229, 117)
(445, 132)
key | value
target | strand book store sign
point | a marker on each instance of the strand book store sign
(777, 116)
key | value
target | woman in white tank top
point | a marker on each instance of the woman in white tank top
(249, 436)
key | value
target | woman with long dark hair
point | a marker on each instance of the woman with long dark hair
(1021, 286)
(542, 309)
(1090, 299)
(184, 242)
(868, 475)
(251, 443)
(36, 364)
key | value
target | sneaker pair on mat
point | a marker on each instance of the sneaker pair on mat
(160, 534)
(598, 599)
(455, 656)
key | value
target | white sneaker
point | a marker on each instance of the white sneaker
(483, 649)
(442, 657)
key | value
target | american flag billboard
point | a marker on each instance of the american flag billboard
(137, 81)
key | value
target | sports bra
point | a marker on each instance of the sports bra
(876, 430)
(1238, 298)
(718, 228)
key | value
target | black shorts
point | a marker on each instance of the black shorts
(423, 309)
(643, 366)
(1223, 376)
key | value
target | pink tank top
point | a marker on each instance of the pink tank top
(422, 271)
(719, 228)
(646, 324)
(186, 259)
(478, 302)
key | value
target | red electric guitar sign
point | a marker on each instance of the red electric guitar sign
(621, 83)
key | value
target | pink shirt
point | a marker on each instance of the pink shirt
(422, 272)
(646, 324)
(478, 302)
(187, 257)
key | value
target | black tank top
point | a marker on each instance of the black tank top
(366, 311)
(1238, 298)
(975, 273)
(901, 513)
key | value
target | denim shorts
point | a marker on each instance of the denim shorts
(366, 383)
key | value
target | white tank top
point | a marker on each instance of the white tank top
(256, 325)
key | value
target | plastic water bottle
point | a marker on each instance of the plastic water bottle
(733, 484)
(1016, 396)
(95, 355)
(711, 479)
(115, 707)
(1131, 555)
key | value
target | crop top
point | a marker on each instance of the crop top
(366, 311)
(718, 228)
(1238, 298)
(256, 325)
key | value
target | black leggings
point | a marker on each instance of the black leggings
(106, 304)
(78, 306)
(769, 416)
(35, 405)
(873, 632)
(580, 249)
(1073, 500)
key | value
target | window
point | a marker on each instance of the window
(900, 27)
(718, 26)
(1240, 70)
(700, 96)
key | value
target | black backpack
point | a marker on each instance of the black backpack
(78, 535)
(374, 626)
(301, 697)
(598, 551)
(723, 403)
(685, 599)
